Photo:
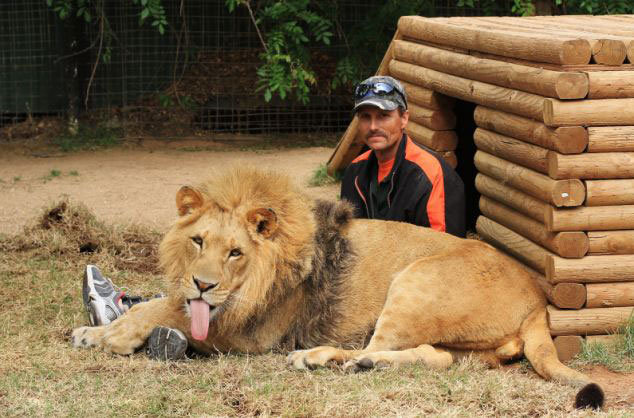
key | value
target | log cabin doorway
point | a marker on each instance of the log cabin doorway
(465, 152)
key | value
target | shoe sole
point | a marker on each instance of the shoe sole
(90, 298)
(86, 290)
(166, 344)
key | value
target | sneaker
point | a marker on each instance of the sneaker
(166, 344)
(101, 297)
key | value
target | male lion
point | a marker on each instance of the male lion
(255, 265)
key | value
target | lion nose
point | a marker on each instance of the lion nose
(203, 286)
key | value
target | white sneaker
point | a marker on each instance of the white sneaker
(101, 297)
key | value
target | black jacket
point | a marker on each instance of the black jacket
(424, 189)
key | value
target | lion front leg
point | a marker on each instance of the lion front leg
(130, 331)
(431, 357)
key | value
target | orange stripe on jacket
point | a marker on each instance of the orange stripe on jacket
(362, 157)
(432, 168)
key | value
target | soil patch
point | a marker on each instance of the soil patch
(135, 184)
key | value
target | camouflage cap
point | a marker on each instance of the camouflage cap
(365, 95)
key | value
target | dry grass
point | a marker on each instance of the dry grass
(42, 375)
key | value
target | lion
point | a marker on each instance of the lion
(254, 265)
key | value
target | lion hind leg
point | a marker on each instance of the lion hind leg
(319, 357)
(540, 351)
(511, 350)
(434, 358)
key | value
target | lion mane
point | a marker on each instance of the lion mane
(307, 250)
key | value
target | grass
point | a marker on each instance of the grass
(88, 137)
(41, 375)
(617, 355)
(321, 177)
(53, 174)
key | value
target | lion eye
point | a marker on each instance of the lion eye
(235, 253)
(197, 240)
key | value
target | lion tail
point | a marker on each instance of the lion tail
(540, 351)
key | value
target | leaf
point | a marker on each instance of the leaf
(144, 14)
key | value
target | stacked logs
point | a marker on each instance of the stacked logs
(555, 139)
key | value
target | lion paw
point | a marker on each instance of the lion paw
(120, 338)
(365, 362)
(85, 337)
(313, 358)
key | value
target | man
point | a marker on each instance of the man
(397, 179)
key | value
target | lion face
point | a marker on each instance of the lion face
(219, 251)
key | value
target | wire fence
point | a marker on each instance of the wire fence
(200, 76)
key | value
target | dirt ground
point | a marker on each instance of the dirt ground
(137, 185)
(131, 184)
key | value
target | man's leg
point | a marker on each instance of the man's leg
(104, 303)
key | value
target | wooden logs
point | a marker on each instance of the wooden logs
(502, 98)
(606, 48)
(562, 295)
(436, 120)
(602, 339)
(450, 157)
(513, 243)
(511, 149)
(427, 98)
(590, 269)
(563, 85)
(605, 295)
(557, 192)
(610, 84)
(568, 295)
(520, 45)
(347, 149)
(590, 218)
(565, 244)
(599, 112)
(436, 140)
(586, 321)
(610, 138)
(609, 192)
(611, 242)
(521, 202)
(567, 346)
(604, 165)
(566, 140)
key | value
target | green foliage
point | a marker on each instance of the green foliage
(523, 8)
(86, 9)
(322, 178)
(287, 29)
(88, 137)
(598, 7)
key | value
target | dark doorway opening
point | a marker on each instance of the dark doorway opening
(465, 127)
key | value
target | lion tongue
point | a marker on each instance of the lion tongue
(200, 319)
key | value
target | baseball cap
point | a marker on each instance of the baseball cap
(384, 92)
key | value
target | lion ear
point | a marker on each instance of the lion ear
(187, 200)
(264, 220)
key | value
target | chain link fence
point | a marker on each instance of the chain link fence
(199, 77)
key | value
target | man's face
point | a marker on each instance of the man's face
(381, 130)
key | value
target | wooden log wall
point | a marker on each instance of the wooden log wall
(555, 140)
